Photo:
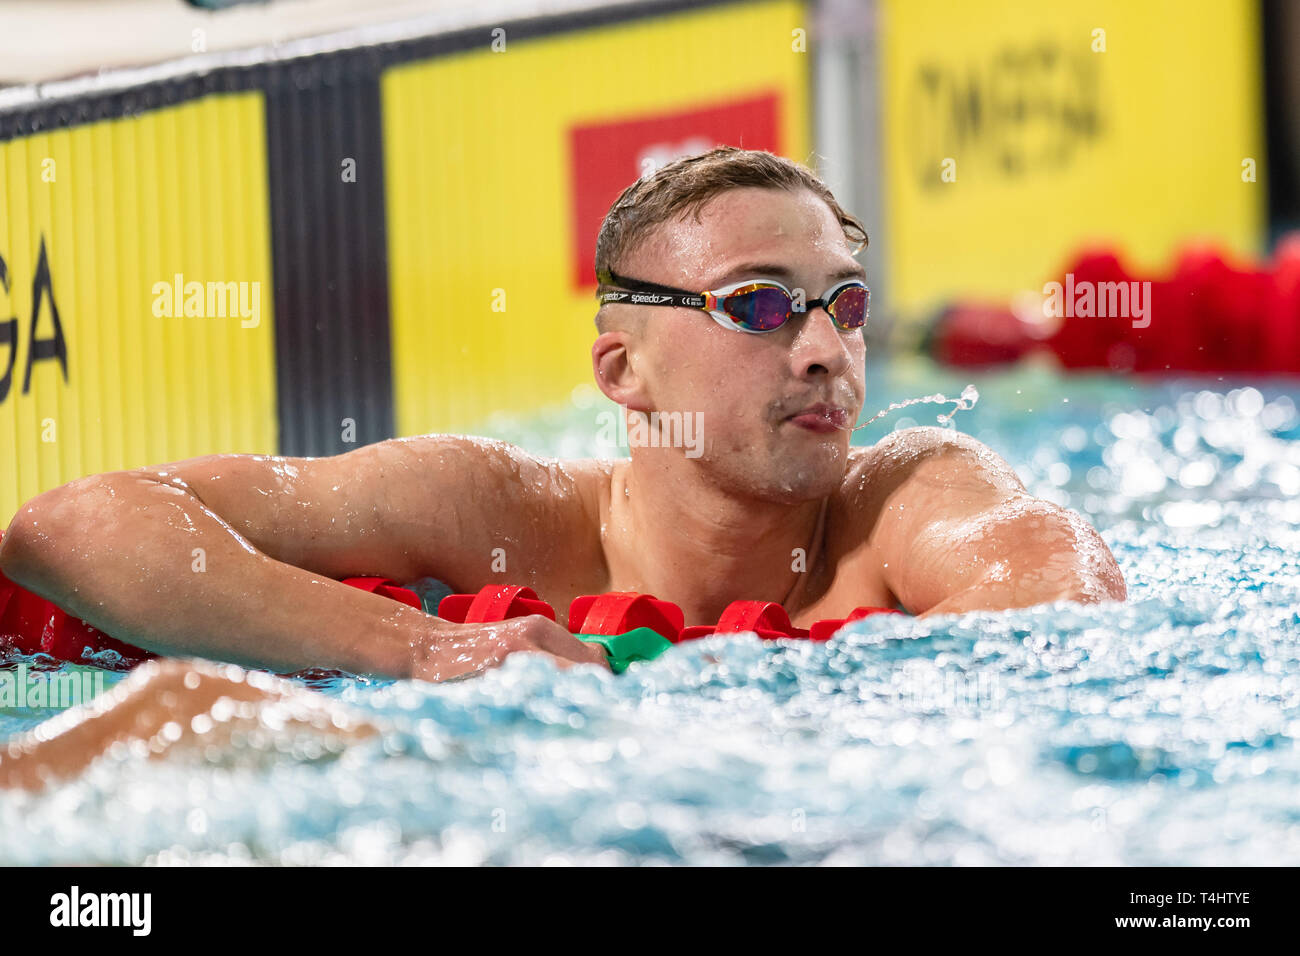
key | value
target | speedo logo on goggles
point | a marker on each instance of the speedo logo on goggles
(751, 305)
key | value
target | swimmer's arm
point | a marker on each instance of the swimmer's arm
(959, 532)
(235, 557)
(167, 704)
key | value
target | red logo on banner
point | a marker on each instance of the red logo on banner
(608, 157)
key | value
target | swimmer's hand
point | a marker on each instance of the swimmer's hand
(453, 651)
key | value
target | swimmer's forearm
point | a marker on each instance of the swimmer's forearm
(150, 564)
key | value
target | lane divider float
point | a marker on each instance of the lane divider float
(630, 626)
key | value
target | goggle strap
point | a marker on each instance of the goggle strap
(654, 298)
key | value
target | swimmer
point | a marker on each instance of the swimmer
(237, 558)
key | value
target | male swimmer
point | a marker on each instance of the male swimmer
(773, 505)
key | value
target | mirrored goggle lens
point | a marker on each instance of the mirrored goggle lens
(759, 309)
(851, 306)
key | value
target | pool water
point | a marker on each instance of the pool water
(1160, 731)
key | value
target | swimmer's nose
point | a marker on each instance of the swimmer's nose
(819, 347)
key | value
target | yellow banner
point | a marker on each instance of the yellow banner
(1015, 131)
(484, 156)
(136, 309)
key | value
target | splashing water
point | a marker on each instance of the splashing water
(969, 396)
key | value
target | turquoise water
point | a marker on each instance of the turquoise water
(1161, 731)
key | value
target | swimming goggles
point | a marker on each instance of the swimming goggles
(751, 305)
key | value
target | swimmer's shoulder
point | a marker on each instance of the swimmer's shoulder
(875, 470)
(484, 454)
(540, 503)
(926, 460)
(489, 463)
(587, 481)
(909, 445)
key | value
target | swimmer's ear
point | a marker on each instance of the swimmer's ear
(616, 376)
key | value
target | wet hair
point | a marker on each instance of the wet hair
(685, 185)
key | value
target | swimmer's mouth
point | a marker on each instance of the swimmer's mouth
(821, 418)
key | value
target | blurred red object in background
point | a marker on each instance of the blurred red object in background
(1209, 315)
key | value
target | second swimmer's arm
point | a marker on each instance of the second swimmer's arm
(168, 704)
